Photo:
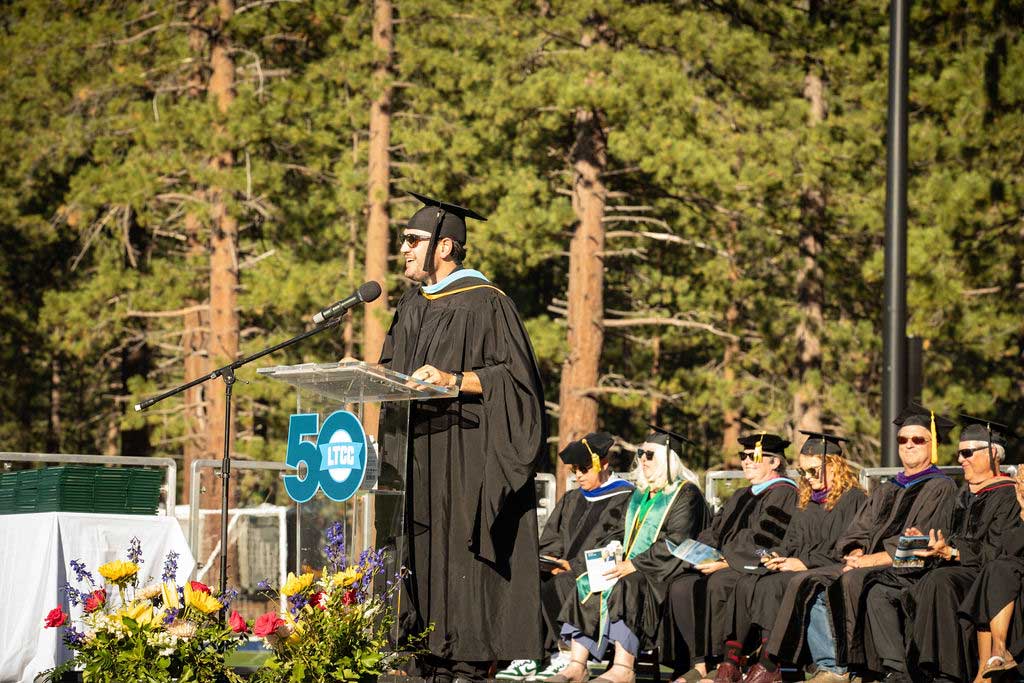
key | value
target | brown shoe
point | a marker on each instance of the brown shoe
(728, 673)
(826, 676)
(759, 674)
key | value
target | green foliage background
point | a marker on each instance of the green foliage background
(709, 147)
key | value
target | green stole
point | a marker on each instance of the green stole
(644, 519)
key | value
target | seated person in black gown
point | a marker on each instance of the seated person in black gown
(753, 520)
(581, 520)
(830, 498)
(666, 505)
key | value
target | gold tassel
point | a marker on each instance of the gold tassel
(595, 461)
(758, 451)
(935, 441)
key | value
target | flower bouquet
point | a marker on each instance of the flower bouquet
(159, 632)
(336, 627)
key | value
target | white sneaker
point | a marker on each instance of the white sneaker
(557, 666)
(518, 670)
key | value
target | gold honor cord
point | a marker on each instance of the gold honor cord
(431, 297)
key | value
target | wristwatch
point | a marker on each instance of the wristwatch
(954, 554)
(458, 382)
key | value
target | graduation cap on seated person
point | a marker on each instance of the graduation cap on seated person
(915, 414)
(822, 444)
(992, 433)
(765, 443)
(588, 451)
(440, 219)
(672, 440)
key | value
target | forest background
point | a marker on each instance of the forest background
(685, 201)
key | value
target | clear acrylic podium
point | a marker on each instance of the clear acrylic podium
(381, 399)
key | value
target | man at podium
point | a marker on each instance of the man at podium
(471, 502)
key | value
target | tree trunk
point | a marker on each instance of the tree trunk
(577, 408)
(54, 436)
(810, 286)
(731, 425)
(378, 238)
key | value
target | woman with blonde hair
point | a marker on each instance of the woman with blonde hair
(829, 499)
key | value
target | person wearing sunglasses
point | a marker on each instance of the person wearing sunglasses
(779, 605)
(986, 512)
(753, 519)
(921, 496)
(666, 506)
(471, 501)
(580, 520)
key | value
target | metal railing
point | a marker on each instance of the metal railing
(170, 487)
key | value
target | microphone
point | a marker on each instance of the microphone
(368, 291)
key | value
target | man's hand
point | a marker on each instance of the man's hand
(562, 567)
(785, 564)
(880, 559)
(937, 546)
(708, 568)
(624, 568)
(428, 373)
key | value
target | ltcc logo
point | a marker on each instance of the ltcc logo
(335, 462)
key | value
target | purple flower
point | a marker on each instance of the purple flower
(73, 638)
(172, 614)
(264, 585)
(73, 595)
(81, 573)
(135, 550)
(170, 567)
(229, 596)
(297, 602)
(335, 548)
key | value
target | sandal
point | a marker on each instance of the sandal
(996, 664)
(602, 679)
(562, 678)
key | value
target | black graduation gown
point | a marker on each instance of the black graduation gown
(998, 584)
(637, 599)
(811, 538)
(574, 526)
(890, 509)
(746, 523)
(471, 518)
(936, 642)
(925, 504)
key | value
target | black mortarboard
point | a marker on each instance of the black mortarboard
(673, 440)
(593, 446)
(980, 429)
(440, 219)
(772, 444)
(819, 443)
(915, 414)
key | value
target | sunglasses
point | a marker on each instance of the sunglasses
(916, 440)
(579, 469)
(807, 474)
(968, 452)
(750, 456)
(645, 454)
(412, 240)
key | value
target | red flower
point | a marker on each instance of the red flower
(96, 600)
(350, 597)
(56, 617)
(237, 623)
(318, 599)
(199, 586)
(267, 624)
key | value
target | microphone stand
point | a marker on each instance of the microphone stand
(227, 372)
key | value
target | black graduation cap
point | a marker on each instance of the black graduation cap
(916, 414)
(588, 451)
(980, 429)
(772, 444)
(440, 219)
(673, 440)
(819, 443)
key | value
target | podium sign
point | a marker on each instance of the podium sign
(346, 469)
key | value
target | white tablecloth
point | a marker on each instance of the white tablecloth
(35, 550)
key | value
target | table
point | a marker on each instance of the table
(35, 551)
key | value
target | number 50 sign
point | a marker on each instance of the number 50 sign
(335, 462)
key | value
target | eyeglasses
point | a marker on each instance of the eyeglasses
(916, 440)
(813, 472)
(968, 452)
(645, 454)
(412, 239)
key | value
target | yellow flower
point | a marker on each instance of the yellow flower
(204, 602)
(296, 584)
(118, 571)
(347, 578)
(169, 591)
(139, 612)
